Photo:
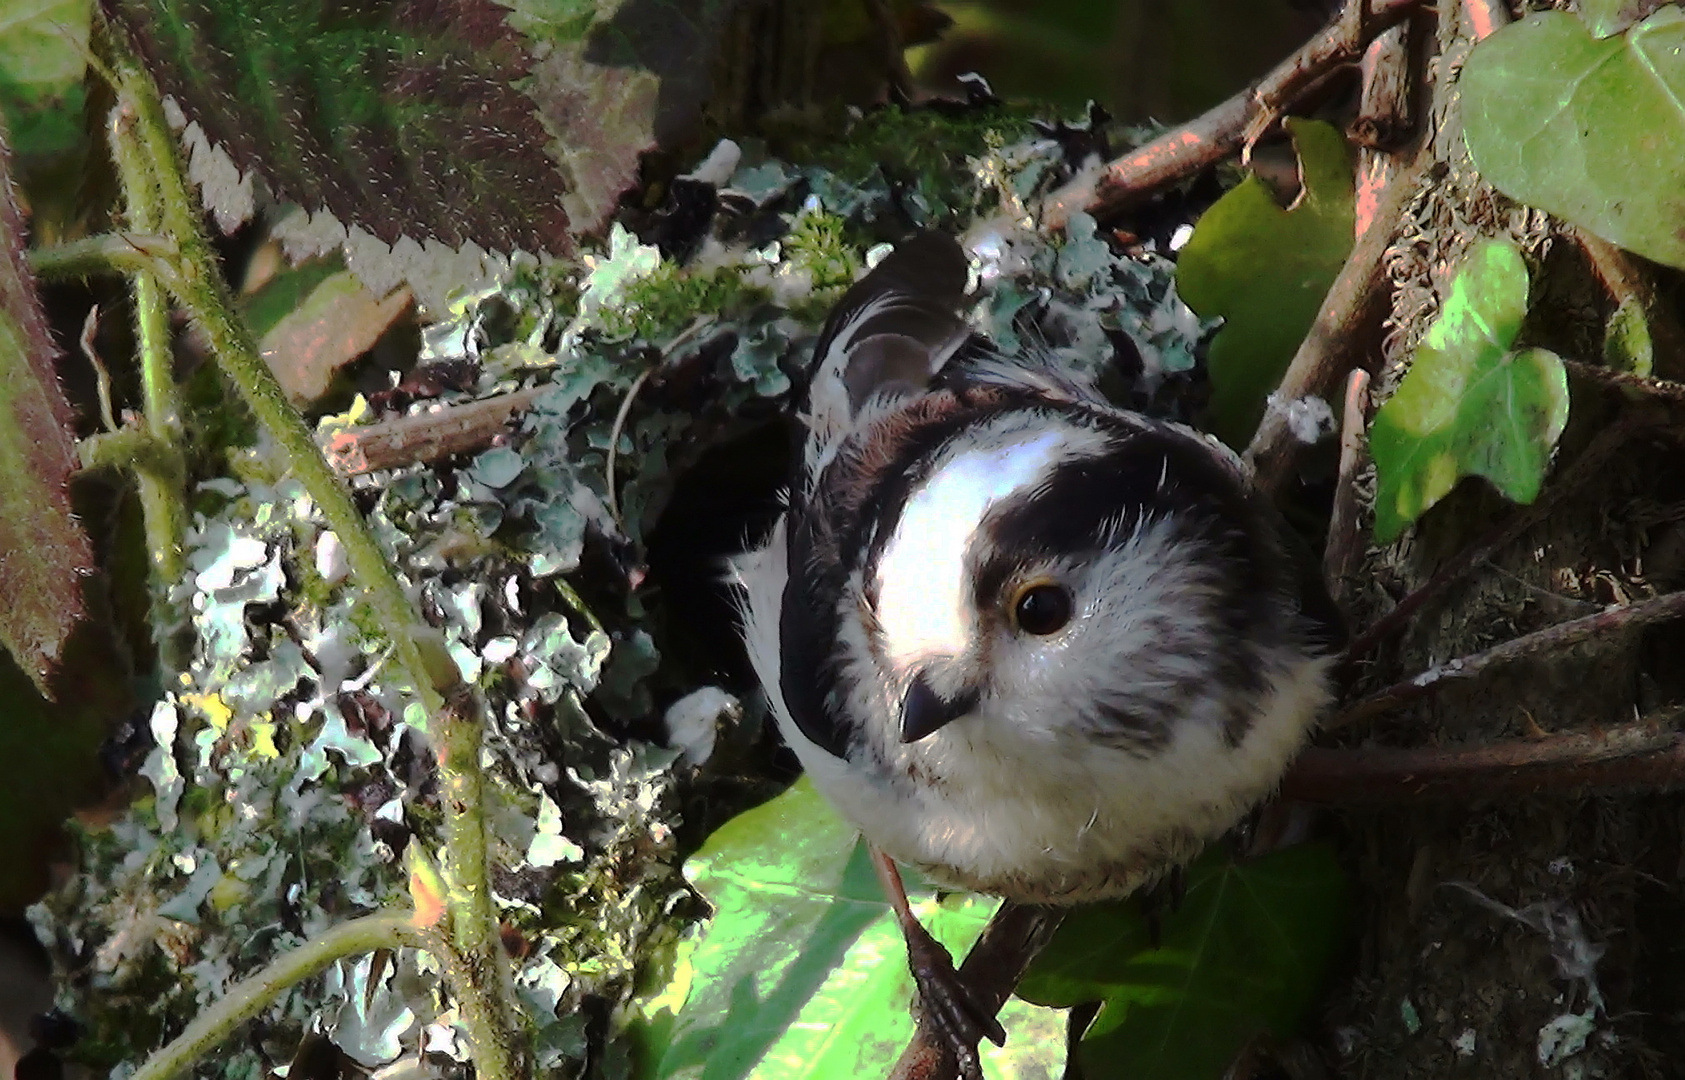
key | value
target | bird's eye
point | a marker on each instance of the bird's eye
(1042, 609)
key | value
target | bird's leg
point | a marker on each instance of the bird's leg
(943, 997)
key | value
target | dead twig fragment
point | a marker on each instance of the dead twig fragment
(1615, 620)
(1485, 16)
(991, 970)
(1660, 389)
(1648, 755)
(452, 429)
(1223, 131)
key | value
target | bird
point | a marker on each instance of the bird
(1031, 644)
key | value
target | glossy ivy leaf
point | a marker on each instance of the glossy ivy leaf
(1605, 17)
(802, 972)
(44, 554)
(1243, 954)
(1469, 406)
(1592, 131)
(1265, 270)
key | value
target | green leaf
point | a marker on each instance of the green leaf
(1627, 345)
(1605, 17)
(1592, 131)
(43, 46)
(802, 971)
(1469, 406)
(1244, 953)
(1265, 270)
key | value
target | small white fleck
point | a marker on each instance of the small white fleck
(331, 561)
(1464, 1043)
(1178, 239)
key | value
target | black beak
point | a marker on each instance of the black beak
(924, 711)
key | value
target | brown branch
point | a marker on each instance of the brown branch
(1647, 756)
(1355, 301)
(991, 971)
(1485, 16)
(1345, 520)
(1384, 117)
(1660, 389)
(1626, 617)
(428, 436)
(1222, 132)
(1588, 465)
(895, 55)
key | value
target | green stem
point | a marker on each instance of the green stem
(485, 997)
(107, 253)
(244, 1000)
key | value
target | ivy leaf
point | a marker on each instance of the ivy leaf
(1243, 954)
(44, 554)
(1469, 406)
(802, 972)
(1605, 17)
(1265, 270)
(1591, 130)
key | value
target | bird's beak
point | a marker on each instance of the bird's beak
(924, 711)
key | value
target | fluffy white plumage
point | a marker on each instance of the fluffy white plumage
(1064, 766)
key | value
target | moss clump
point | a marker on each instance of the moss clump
(818, 243)
(664, 303)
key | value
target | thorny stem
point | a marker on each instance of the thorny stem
(163, 493)
(486, 996)
(244, 1000)
(106, 253)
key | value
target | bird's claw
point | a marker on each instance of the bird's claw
(948, 1004)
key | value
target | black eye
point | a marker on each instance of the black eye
(1042, 609)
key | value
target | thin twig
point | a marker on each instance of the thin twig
(1614, 620)
(1354, 302)
(245, 999)
(1646, 756)
(1661, 389)
(614, 430)
(991, 971)
(1345, 520)
(428, 436)
(1222, 131)
(102, 377)
(1587, 466)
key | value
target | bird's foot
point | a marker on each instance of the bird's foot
(948, 1004)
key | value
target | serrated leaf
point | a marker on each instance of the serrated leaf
(402, 118)
(1469, 406)
(44, 554)
(1265, 270)
(802, 971)
(1243, 954)
(1591, 130)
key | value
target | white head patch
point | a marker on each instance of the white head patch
(923, 606)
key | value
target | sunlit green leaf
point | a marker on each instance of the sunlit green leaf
(1244, 953)
(1469, 406)
(802, 972)
(1264, 270)
(1592, 131)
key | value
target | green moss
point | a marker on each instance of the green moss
(818, 243)
(664, 303)
(920, 146)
